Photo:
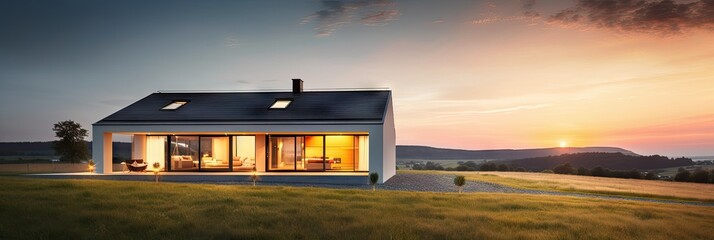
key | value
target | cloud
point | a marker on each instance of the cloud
(516, 108)
(335, 14)
(528, 11)
(379, 18)
(231, 42)
(528, 14)
(664, 17)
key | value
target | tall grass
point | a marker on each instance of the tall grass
(588, 184)
(96, 209)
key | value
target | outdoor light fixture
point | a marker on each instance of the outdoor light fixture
(91, 166)
(157, 167)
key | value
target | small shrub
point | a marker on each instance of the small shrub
(564, 168)
(700, 176)
(598, 172)
(682, 176)
(651, 176)
(547, 171)
(489, 166)
(460, 181)
(583, 171)
(373, 178)
(634, 174)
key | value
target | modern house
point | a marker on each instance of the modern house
(325, 133)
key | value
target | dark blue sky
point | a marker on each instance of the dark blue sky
(465, 74)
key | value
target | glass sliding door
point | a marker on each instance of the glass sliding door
(184, 153)
(243, 153)
(283, 153)
(340, 153)
(314, 160)
(361, 153)
(318, 153)
(214, 153)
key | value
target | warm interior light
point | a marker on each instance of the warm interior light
(174, 105)
(281, 104)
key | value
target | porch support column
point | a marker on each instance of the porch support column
(102, 150)
(138, 147)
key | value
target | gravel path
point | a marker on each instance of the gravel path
(445, 183)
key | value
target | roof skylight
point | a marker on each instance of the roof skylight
(174, 105)
(281, 103)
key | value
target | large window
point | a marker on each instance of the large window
(362, 153)
(243, 153)
(184, 153)
(319, 153)
(283, 153)
(314, 149)
(214, 153)
(340, 152)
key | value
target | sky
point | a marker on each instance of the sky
(464, 74)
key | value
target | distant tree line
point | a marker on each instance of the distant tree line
(468, 166)
(699, 175)
(606, 160)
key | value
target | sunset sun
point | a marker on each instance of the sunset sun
(563, 143)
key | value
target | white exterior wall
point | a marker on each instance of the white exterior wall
(101, 153)
(389, 145)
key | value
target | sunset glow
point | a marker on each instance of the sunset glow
(469, 74)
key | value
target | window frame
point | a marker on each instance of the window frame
(289, 100)
(176, 101)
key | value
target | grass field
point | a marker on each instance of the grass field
(587, 184)
(95, 209)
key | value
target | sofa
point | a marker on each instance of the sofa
(315, 164)
(182, 162)
(243, 164)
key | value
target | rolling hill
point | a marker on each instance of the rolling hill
(435, 154)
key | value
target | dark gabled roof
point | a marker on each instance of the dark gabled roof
(367, 105)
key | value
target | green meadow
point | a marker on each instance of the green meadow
(100, 209)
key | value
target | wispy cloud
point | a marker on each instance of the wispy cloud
(665, 17)
(528, 14)
(379, 18)
(231, 42)
(335, 14)
(514, 109)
